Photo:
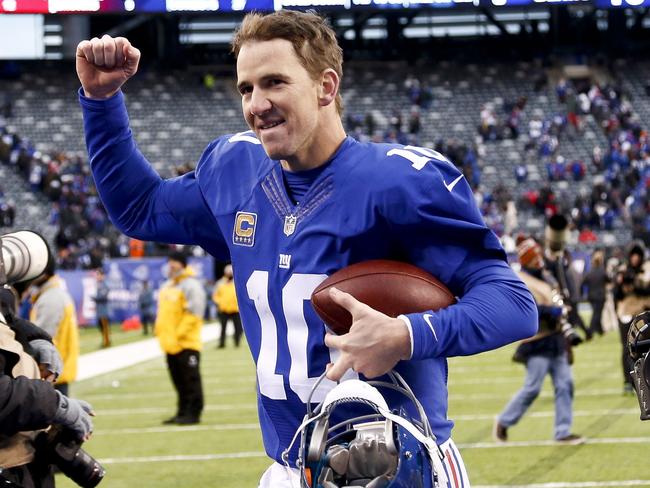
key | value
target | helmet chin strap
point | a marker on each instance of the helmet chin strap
(357, 391)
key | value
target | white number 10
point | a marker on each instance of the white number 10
(295, 292)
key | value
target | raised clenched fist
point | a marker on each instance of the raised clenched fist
(104, 65)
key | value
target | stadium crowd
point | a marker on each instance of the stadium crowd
(618, 175)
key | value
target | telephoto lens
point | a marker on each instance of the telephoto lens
(25, 255)
(65, 452)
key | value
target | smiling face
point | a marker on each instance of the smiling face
(281, 103)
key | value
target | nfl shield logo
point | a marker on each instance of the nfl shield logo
(290, 224)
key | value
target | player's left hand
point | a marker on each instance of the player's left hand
(374, 344)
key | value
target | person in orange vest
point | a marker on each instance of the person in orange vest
(136, 248)
(226, 299)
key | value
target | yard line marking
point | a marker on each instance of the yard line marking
(511, 379)
(186, 428)
(233, 380)
(505, 368)
(578, 484)
(164, 394)
(187, 457)
(542, 443)
(544, 394)
(253, 406)
(551, 413)
(454, 397)
(148, 410)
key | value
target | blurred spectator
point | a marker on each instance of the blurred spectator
(146, 305)
(545, 353)
(227, 309)
(632, 296)
(595, 282)
(7, 106)
(577, 169)
(101, 308)
(521, 173)
(181, 302)
(414, 121)
(136, 248)
(53, 310)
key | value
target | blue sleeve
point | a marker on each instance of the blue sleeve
(441, 230)
(139, 202)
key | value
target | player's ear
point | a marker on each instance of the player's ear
(329, 87)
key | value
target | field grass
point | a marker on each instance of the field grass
(225, 450)
(90, 338)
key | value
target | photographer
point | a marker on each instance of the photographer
(29, 401)
(53, 310)
(544, 353)
(632, 296)
(559, 263)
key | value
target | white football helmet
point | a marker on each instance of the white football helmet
(384, 449)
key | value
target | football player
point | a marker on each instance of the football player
(293, 200)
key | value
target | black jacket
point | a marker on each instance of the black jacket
(25, 404)
(596, 281)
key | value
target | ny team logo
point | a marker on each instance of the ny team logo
(243, 233)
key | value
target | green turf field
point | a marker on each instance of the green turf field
(225, 450)
(90, 338)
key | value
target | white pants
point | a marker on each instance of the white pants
(279, 476)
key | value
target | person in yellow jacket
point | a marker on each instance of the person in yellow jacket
(181, 303)
(226, 299)
(53, 310)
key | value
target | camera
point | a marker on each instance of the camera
(24, 255)
(62, 448)
(556, 233)
(568, 331)
(638, 347)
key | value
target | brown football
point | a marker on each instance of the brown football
(392, 287)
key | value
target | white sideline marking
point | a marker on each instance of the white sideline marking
(542, 443)
(163, 394)
(544, 394)
(188, 457)
(551, 413)
(477, 396)
(485, 416)
(187, 428)
(579, 484)
(107, 360)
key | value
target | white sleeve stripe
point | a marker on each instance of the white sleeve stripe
(410, 328)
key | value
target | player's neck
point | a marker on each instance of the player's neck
(317, 151)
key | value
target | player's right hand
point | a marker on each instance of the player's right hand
(104, 65)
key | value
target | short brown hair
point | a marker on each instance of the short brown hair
(312, 38)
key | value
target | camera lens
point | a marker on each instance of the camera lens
(25, 255)
(78, 465)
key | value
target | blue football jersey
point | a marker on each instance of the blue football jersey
(372, 201)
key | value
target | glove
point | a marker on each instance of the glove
(46, 353)
(75, 415)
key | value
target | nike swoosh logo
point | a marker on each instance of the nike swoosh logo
(427, 317)
(451, 185)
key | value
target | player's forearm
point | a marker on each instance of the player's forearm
(493, 313)
(128, 186)
(124, 178)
